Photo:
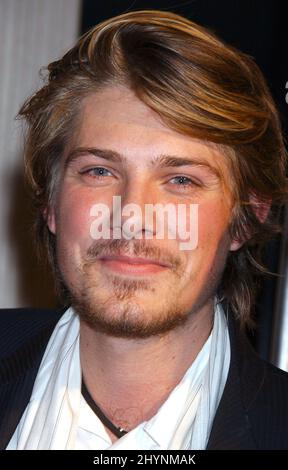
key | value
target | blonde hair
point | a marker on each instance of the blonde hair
(200, 87)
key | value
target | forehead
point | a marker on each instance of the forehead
(115, 118)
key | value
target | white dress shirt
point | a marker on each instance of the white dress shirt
(171, 422)
(57, 416)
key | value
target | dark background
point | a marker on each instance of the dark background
(258, 28)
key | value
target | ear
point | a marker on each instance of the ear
(261, 210)
(49, 216)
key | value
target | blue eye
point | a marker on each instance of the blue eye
(97, 172)
(183, 180)
(183, 183)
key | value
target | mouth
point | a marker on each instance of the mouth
(133, 266)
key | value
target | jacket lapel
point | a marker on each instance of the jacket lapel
(231, 427)
(17, 376)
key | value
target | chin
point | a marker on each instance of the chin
(129, 319)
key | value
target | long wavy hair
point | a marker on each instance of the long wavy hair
(200, 87)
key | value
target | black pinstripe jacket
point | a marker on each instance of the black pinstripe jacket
(252, 414)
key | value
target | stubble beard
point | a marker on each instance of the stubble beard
(112, 304)
(120, 312)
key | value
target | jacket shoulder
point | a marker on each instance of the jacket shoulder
(253, 411)
(276, 373)
(269, 413)
(24, 334)
(18, 325)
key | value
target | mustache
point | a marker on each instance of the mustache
(137, 248)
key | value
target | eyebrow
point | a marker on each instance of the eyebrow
(164, 161)
(109, 155)
(159, 161)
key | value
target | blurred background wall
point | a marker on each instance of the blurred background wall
(32, 34)
(35, 32)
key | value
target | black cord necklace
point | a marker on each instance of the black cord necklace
(119, 432)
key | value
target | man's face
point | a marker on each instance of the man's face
(122, 148)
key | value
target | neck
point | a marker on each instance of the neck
(130, 378)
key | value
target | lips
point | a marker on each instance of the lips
(131, 266)
(134, 261)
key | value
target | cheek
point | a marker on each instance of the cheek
(213, 242)
(206, 222)
(212, 236)
(213, 224)
(74, 217)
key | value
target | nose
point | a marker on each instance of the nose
(134, 198)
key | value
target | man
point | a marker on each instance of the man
(148, 114)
